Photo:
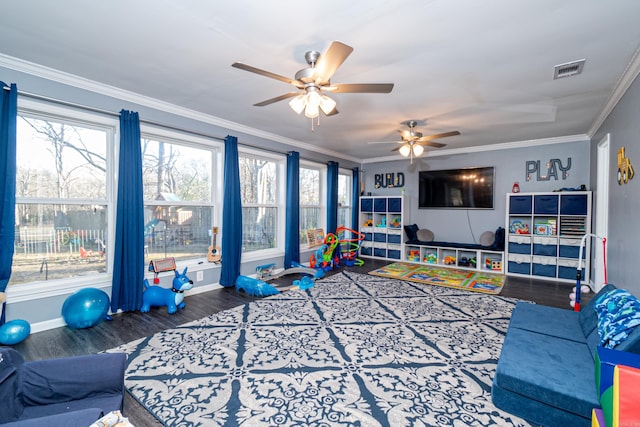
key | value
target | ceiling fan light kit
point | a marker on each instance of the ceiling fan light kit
(298, 103)
(313, 80)
(312, 102)
(413, 142)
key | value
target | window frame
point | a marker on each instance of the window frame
(348, 207)
(322, 219)
(46, 111)
(280, 203)
(157, 133)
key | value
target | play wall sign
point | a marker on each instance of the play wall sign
(554, 168)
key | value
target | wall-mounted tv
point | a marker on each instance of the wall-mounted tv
(469, 188)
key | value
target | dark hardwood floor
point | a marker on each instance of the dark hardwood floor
(126, 327)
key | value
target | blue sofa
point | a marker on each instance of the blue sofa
(545, 373)
(72, 391)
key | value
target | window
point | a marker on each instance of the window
(260, 195)
(63, 195)
(178, 196)
(312, 200)
(344, 199)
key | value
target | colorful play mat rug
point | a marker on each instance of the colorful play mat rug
(488, 283)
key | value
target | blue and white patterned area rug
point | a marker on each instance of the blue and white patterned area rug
(354, 350)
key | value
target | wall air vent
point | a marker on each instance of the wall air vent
(569, 69)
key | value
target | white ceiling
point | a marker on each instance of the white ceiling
(484, 68)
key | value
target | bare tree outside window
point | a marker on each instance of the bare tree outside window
(258, 189)
(61, 200)
(310, 208)
(177, 187)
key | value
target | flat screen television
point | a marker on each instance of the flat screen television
(469, 188)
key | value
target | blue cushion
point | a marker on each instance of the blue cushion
(10, 362)
(84, 417)
(618, 314)
(553, 371)
(588, 316)
(105, 404)
(557, 322)
(593, 342)
(632, 343)
(532, 410)
(412, 232)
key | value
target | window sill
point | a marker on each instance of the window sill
(261, 255)
(48, 289)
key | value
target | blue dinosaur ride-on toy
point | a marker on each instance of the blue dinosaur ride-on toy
(173, 299)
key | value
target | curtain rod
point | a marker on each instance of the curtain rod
(145, 121)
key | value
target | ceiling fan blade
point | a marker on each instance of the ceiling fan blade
(360, 88)
(431, 144)
(277, 98)
(269, 74)
(330, 60)
(438, 136)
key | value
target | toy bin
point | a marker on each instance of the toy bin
(520, 205)
(567, 268)
(545, 204)
(380, 252)
(570, 248)
(519, 264)
(545, 246)
(366, 205)
(380, 237)
(543, 266)
(395, 204)
(366, 250)
(394, 252)
(394, 236)
(520, 244)
(573, 204)
(380, 205)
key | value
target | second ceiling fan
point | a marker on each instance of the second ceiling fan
(313, 81)
(413, 142)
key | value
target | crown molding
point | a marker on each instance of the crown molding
(626, 79)
(492, 147)
(62, 77)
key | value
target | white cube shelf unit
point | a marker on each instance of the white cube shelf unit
(381, 222)
(465, 258)
(544, 233)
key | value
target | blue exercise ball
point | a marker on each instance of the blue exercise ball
(85, 308)
(14, 331)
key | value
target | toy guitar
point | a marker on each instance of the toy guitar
(214, 254)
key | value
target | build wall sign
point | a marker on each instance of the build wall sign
(554, 168)
(388, 180)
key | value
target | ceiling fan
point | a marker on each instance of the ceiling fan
(413, 142)
(313, 81)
